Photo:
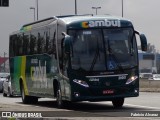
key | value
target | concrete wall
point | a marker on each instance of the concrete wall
(149, 85)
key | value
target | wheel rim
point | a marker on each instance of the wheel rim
(59, 98)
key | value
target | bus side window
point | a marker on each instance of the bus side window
(32, 44)
(39, 43)
(12, 50)
(47, 42)
(15, 44)
(25, 44)
(19, 45)
(52, 43)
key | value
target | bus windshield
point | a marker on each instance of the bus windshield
(103, 49)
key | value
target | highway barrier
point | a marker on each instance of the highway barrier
(149, 85)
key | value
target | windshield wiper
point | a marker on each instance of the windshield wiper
(95, 57)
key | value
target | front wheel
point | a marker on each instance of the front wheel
(4, 94)
(10, 93)
(27, 99)
(118, 103)
(59, 99)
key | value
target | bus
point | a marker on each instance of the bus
(76, 58)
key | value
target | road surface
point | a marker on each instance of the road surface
(134, 108)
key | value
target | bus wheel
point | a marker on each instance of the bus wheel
(118, 103)
(9, 93)
(59, 99)
(4, 94)
(33, 99)
(28, 99)
(25, 99)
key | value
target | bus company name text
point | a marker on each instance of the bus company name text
(38, 72)
(101, 23)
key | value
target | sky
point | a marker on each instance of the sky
(144, 15)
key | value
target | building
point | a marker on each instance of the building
(4, 64)
(147, 64)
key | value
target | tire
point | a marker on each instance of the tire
(59, 100)
(4, 94)
(118, 103)
(9, 93)
(28, 99)
(33, 99)
(25, 99)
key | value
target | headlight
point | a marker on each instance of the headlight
(81, 82)
(131, 79)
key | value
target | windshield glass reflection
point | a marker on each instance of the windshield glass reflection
(101, 50)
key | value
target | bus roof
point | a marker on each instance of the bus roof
(81, 21)
(70, 19)
(90, 21)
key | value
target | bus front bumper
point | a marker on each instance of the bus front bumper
(104, 94)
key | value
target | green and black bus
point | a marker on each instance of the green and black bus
(76, 58)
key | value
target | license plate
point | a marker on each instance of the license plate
(108, 91)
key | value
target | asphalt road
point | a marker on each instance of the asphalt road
(134, 108)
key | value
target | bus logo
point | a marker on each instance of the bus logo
(101, 23)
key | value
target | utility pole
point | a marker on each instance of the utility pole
(122, 8)
(37, 9)
(75, 7)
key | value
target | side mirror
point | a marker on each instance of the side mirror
(143, 42)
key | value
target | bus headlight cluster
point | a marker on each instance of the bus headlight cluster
(131, 79)
(81, 82)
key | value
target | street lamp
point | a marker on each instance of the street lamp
(96, 9)
(33, 8)
(122, 8)
(36, 9)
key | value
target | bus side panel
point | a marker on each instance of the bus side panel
(15, 71)
(40, 72)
